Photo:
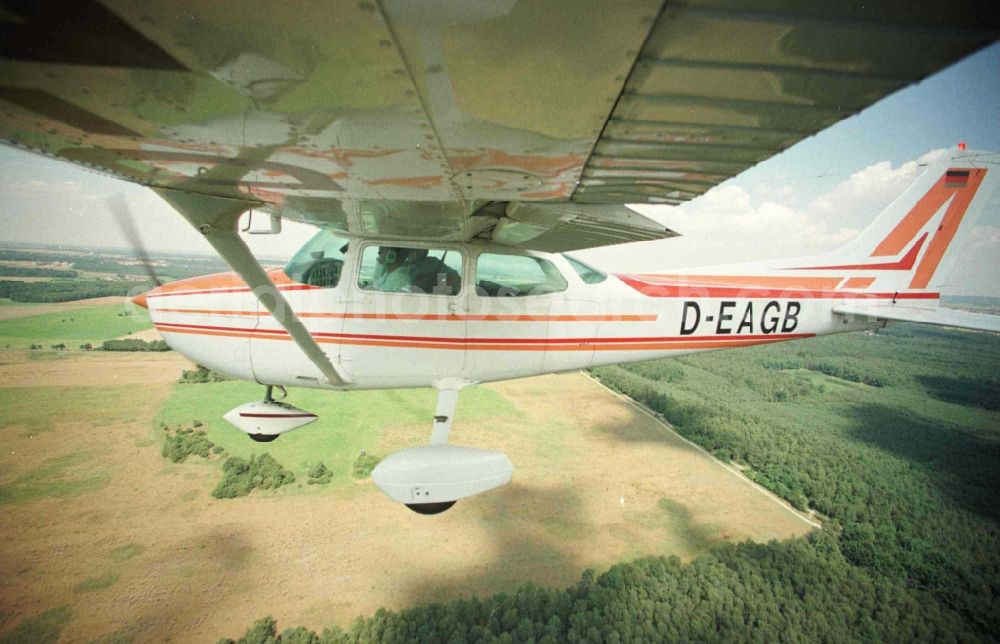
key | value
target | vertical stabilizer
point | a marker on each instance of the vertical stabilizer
(907, 243)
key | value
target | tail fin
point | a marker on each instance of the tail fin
(905, 246)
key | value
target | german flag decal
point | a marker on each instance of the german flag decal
(956, 178)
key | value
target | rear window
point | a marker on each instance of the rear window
(516, 276)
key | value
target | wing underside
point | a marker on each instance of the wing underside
(510, 119)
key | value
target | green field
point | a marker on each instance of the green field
(348, 423)
(73, 327)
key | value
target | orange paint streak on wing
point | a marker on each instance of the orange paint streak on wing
(562, 190)
(409, 182)
(541, 165)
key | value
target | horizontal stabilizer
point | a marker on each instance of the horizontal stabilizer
(939, 317)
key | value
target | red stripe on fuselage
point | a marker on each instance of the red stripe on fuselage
(556, 344)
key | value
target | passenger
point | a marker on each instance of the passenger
(393, 273)
(431, 275)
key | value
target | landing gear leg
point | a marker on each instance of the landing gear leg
(268, 399)
(443, 413)
(430, 478)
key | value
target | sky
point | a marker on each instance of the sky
(809, 199)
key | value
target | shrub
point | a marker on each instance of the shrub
(364, 465)
(201, 375)
(240, 476)
(185, 443)
(134, 344)
(319, 475)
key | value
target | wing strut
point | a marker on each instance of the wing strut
(216, 218)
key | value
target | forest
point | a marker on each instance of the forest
(892, 440)
(117, 273)
(65, 291)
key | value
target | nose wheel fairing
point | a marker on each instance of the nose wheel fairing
(265, 420)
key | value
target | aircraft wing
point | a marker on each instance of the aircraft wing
(939, 317)
(451, 119)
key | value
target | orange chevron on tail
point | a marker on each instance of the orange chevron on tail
(959, 185)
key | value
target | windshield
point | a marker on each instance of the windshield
(587, 273)
(319, 261)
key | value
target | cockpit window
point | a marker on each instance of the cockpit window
(516, 276)
(398, 269)
(320, 261)
(588, 274)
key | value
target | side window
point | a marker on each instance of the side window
(398, 269)
(319, 261)
(588, 274)
(516, 276)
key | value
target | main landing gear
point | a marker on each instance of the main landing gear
(431, 478)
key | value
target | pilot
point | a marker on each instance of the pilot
(393, 272)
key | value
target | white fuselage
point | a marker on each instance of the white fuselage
(385, 340)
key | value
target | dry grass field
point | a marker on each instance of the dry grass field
(11, 311)
(105, 539)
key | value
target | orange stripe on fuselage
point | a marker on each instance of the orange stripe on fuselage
(425, 317)
(693, 291)
(763, 281)
(217, 282)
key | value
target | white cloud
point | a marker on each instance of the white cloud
(855, 202)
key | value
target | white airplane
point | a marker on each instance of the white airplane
(448, 315)
(452, 153)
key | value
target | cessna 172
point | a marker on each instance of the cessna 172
(453, 152)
